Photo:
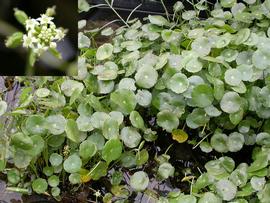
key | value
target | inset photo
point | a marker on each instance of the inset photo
(38, 37)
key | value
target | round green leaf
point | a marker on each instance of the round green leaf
(72, 164)
(118, 116)
(13, 176)
(265, 96)
(194, 80)
(55, 191)
(53, 181)
(139, 181)
(130, 137)
(56, 159)
(239, 177)
(209, 197)
(105, 87)
(226, 189)
(227, 3)
(110, 128)
(197, 118)
(99, 170)
(174, 61)
(202, 46)
(38, 145)
(229, 55)
(178, 83)
(40, 185)
(235, 142)
(243, 34)
(104, 51)
(260, 60)
(206, 147)
(188, 15)
(202, 95)
(230, 102)
(131, 45)
(72, 131)
(48, 170)
(233, 77)
(83, 41)
(263, 138)
(263, 195)
(107, 31)
(146, 77)
(144, 98)
(257, 183)
(98, 119)
(21, 158)
(74, 178)
(127, 83)
(246, 71)
(112, 150)
(219, 142)
(194, 65)
(22, 141)
(158, 20)
(84, 123)
(185, 199)
(56, 124)
(167, 120)
(136, 120)
(87, 149)
(165, 170)
(170, 35)
(69, 86)
(124, 100)
(56, 140)
(212, 111)
(97, 139)
(128, 159)
(35, 124)
(142, 157)
(244, 57)
(110, 71)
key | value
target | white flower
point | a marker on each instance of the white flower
(97, 193)
(60, 34)
(40, 48)
(52, 26)
(53, 45)
(44, 19)
(30, 24)
(29, 40)
(42, 34)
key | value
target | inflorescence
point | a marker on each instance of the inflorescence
(42, 34)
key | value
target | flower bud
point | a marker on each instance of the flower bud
(20, 16)
(14, 40)
(178, 6)
(50, 11)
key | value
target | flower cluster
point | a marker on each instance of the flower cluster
(42, 34)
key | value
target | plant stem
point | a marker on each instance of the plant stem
(201, 140)
(17, 189)
(29, 69)
(110, 5)
(133, 11)
(165, 9)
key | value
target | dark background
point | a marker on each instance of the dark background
(124, 7)
(13, 60)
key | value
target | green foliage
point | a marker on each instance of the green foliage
(206, 80)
